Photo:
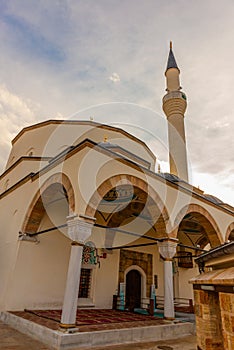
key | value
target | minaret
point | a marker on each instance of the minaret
(174, 106)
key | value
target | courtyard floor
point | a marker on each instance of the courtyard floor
(88, 320)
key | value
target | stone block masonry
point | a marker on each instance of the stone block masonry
(208, 320)
(227, 316)
(215, 320)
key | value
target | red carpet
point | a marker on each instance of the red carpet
(94, 316)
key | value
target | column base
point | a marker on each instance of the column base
(68, 328)
(169, 318)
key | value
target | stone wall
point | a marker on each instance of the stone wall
(208, 321)
(227, 315)
(214, 320)
(144, 260)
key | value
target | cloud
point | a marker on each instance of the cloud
(15, 113)
(58, 55)
(114, 77)
(31, 40)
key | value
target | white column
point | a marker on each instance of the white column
(167, 249)
(79, 230)
(169, 311)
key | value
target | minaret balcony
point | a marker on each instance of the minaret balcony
(174, 103)
(174, 94)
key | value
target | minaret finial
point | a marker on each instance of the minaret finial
(170, 45)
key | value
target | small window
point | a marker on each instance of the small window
(85, 283)
(30, 152)
(6, 185)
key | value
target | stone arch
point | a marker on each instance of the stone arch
(207, 221)
(230, 232)
(36, 209)
(163, 223)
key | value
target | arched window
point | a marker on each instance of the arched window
(89, 262)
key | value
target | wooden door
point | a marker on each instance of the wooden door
(133, 290)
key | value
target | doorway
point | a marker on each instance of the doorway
(133, 290)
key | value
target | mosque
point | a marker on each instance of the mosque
(86, 220)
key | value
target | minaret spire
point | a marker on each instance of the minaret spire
(171, 62)
(174, 106)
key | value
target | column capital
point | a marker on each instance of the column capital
(79, 228)
(167, 248)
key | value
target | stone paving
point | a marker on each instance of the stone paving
(11, 339)
(186, 343)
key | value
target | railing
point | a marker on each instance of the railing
(174, 94)
(146, 304)
(184, 305)
(181, 304)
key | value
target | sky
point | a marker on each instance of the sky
(105, 60)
